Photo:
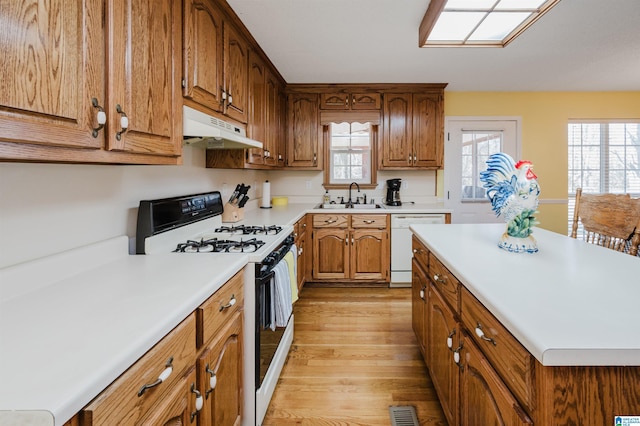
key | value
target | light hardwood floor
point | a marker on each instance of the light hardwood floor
(354, 354)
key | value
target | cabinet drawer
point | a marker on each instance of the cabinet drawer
(124, 402)
(508, 357)
(216, 310)
(420, 253)
(377, 221)
(330, 221)
(445, 282)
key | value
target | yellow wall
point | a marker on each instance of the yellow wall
(544, 132)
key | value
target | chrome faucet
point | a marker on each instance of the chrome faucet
(350, 202)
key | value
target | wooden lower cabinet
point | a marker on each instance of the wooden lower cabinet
(419, 291)
(220, 377)
(201, 383)
(443, 360)
(351, 248)
(485, 399)
(301, 241)
(493, 379)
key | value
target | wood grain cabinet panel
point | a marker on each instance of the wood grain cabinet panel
(351, 248)
(236, 68)
(485, 399)
(220, 376)
(346, 101)
(413, 131)
(419, 293)
(304, 142)
(92, 82)
(446, 283)
(217, 309)
(203, 57)
(443, 344)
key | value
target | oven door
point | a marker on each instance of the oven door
(268, 336)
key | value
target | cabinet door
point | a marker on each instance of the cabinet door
(257, 108)
(52, 66)
(419, 305)
(305, 133)
(272, 119)
(220, 377)
(485, 399)
(144, 76)
(397, 145)
(203, 53)
(369, 254)
(178, 408)
(365, 101)
(427, 131)
(236, 67)
(330, 254)
(443, 340)
(339, 101)
(301, 244)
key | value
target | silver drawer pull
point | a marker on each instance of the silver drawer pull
(438, 279)
(330, 221)
(480, 334)
(369, 222)
(456, 355)
(232, 302)
(161, 378)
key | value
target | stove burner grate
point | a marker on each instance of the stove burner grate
(251, 230)
(215, 245)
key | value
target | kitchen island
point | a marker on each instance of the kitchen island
(573, 308)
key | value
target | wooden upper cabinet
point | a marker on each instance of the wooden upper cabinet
(145, 109)
(397, 139)
(304, 147)
(92, 81)
(350, 101)
(236, 65)
(203, 40)
(256, 128)
(51, 69)
(428, 134)
(274, 114)
(413, 131)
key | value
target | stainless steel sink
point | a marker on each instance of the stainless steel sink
(349, 206)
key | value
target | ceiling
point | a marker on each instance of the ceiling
(579, 45)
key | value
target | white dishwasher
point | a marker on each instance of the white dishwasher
(401, 253)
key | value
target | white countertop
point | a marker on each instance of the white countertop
(63, 343)
(72, 323)
(572, 303)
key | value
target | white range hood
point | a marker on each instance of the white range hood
(205, 131)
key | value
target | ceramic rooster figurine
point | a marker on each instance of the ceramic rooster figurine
(513, 190)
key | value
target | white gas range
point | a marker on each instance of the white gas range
(192, 225)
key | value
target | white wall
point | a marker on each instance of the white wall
(306, 186)
(49, 208)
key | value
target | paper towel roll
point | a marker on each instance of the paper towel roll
(266, 195)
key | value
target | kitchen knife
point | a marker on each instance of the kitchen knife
(243, 201)
(235, 193)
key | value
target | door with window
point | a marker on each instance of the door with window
(468, 144)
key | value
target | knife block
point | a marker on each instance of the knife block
(232, 213)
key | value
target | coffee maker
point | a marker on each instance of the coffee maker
(393, 192)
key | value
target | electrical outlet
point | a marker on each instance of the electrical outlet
(225, 190)
(405, 184)
(308, 184)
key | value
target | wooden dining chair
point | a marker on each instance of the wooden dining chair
(609, 220)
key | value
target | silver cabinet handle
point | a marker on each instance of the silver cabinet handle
(315, 158)
(199, 401)
(329, 221)
(101, 118)
(415, 158)
(161, 378)
(369, 222)
(456, 355)
(213, 380)
(450, 339)
(422, 292)
(232, 302)
(438, 279)
(480, 334)
(124, 122)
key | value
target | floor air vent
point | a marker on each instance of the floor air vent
(403, 416)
